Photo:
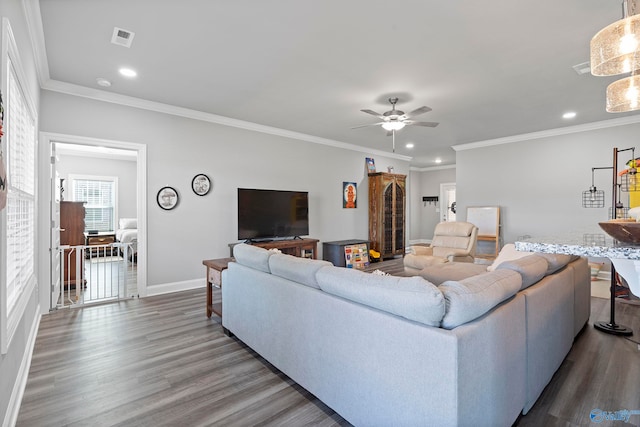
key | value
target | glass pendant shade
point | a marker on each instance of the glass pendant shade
(624, 95)
(616, 48)
(392, 125)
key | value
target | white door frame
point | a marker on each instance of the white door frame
(445, 187)
(46, 198)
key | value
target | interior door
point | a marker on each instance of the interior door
(448, 204)
(56, 195)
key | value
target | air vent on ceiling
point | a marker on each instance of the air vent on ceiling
(122, 37)
(584, 68)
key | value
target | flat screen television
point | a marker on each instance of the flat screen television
(271, 214)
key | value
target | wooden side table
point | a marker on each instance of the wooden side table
(214, 278)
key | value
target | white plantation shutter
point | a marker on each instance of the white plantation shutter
(100, 202)
(20, 145)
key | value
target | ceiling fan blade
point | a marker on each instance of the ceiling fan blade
(373, 113)
(370, 124)
(426, 124)
(417, 111)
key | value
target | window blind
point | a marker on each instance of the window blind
(99, 198)
(20, 219)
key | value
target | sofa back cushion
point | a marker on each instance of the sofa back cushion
(410, 297)
(470, 298)
(557, 261)
(509, 252)
(252, 256)
(297, 269)
(532, 268)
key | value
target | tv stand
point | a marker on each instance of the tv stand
(305, 248)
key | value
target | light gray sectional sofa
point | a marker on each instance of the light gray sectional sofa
(400, 351)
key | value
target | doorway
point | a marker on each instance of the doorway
(105, 150)
(448, 201)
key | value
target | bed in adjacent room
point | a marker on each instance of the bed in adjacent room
(127, 232)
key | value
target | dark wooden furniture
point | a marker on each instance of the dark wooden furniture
(99, 240)
(214, 278)
(305, 248)
(387, 206)
(71, 234)
(334, 251)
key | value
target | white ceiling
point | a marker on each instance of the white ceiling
(487, 69)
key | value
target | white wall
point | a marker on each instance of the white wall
(538, 184)
(179, 148)
(14, 363)
(125, 170)
(424, 218)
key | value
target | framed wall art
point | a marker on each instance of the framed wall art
(167, 198)
(349, 195)
(201, 184)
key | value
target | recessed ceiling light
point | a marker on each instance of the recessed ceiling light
(438, 160)
(103, 82)
(409, 145)
(569, 115)
(128, 72)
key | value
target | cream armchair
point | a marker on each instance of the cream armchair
(452, 242)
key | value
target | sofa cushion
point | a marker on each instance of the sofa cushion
(509, 252)
(297, 269)
(470, 298)
(557, 261)
(532, 268)
(440, 273)
(252, 256)
(410, 297)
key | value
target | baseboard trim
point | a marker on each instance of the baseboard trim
(167, 288)
(11, 417)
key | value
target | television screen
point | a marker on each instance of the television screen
(268, 214)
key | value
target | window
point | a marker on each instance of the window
(99, 195)
(18, 220)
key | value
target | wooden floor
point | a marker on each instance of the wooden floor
(160, 361)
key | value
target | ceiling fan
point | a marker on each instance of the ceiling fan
(394, 120)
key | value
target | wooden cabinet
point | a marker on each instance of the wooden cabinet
(387, 206)
(71, 234)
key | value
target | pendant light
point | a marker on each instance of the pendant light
(624, 95)
(616, 48)
(593, 198)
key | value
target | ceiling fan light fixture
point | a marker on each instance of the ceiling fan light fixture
(624, 95)
(393, 125)
(616, 48)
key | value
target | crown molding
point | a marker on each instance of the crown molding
(101, 95)
(36, 35)
(622, 121)
(432, 168)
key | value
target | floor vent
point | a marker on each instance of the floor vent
(122, 37)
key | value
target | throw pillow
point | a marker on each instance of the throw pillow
(507, 253)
